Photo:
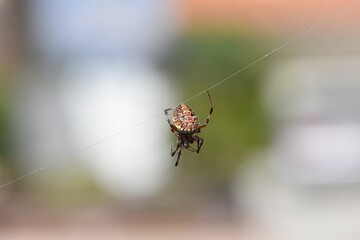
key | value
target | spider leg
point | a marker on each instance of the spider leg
(199, 145)
(177, 147)
(172, 126)
(178, 158)
(199, 142)
(191, 149)
(208, 117)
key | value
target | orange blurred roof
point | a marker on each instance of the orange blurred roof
(289, 16)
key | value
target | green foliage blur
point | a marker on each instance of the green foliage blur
(239, 124)
(6, 164)
(4, 116)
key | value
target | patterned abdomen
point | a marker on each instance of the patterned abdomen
(185, 119)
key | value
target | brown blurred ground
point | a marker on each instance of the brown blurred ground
(108, 228)
(22, 220)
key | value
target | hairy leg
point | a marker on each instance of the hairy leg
(177, 147)
(199, 142)
(172, 126)
(209, 115)
(178, 158)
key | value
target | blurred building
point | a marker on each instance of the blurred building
(307, 186)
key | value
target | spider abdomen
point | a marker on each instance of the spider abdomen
(185, 119)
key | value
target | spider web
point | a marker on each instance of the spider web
(275, 50)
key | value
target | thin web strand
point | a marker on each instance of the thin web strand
(240, 165)
(69, 156)
(326, 20)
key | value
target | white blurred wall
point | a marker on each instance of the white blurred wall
(306, 185)
(92, 72)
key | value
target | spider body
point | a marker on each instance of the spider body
(185, 124)
(184, 119)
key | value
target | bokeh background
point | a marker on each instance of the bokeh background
(281, 158)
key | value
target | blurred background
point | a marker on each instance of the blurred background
(281, 157)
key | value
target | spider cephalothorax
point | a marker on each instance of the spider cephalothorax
(185, 123)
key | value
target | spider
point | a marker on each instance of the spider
(185, 123)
